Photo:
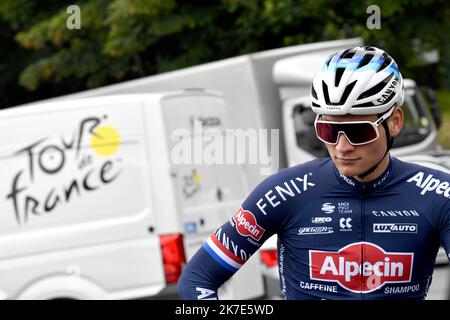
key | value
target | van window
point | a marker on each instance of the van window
(417, 126)
(305, 134)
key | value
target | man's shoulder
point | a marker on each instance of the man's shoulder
(429, 181)
(302, 173)
(309, 168)
(285, 188)
(413, 169)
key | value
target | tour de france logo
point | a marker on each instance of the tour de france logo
(56, 170)
(105, 141)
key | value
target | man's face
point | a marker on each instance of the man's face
(353, 160)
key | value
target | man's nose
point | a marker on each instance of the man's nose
(343, 145)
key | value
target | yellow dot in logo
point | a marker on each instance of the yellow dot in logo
(105, 141)
(197, 178)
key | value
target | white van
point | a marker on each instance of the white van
(94, 207)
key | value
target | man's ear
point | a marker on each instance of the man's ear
(396, 121)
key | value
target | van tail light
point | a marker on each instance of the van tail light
(269, 257)
(173, 256)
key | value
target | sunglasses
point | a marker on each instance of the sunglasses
(356, 132)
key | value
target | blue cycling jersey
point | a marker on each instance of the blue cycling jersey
(337, 238)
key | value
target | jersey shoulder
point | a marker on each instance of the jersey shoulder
(304, 175)
(273, 192)
(428, 181)
(297, 171)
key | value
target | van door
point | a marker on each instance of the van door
(75, 196)
(231, 190)
(208, 190)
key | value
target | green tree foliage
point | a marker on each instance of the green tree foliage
(125, 39)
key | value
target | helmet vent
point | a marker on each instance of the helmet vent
(376, 89)
(386, 62)
(339, 73)
(325, 92)
(313, 92)
(364, 105)
(346, 93)
(344, 97)
(347, 54)
(365, 60)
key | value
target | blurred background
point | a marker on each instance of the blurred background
(120, 40)
(126, 39)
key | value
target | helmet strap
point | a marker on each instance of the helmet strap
(390, 141)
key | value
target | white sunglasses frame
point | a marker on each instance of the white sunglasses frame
(373, 124)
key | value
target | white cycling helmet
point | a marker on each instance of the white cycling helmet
(361, 80)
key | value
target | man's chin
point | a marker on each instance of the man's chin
(349, 170)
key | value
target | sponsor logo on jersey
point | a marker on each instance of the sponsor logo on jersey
(402, 289)
(340, 207)
(344, 208)
(328, 207)
(231, 245)
(347, 180)
(382, 180)
(205, 294)
(396, 213)
(284, 192)
(344, 267)
(247, 226)
(317, 220)
(431, 184)
(305, 231)
(318, 286)
(395, 227)
(221, 254)
(345, 224)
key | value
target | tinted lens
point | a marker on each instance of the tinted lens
(356, 132)
(327, 132)
(359, 132)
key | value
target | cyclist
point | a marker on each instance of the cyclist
(360, 224)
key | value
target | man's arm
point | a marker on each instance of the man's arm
(202, 277)
(445, 228)
(230, 246)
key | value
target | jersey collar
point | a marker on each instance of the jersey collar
(375, 184)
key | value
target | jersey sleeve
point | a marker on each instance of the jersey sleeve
(232, 244)
(445, 228)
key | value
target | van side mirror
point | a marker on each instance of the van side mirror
(435, 107)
